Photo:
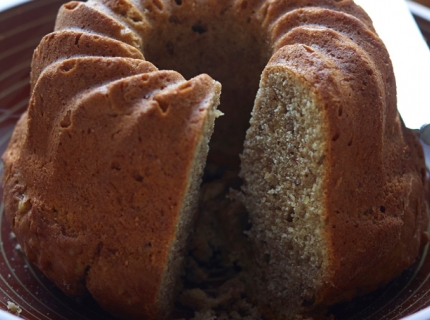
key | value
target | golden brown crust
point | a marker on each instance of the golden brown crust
(97, 170)
(274, 10)
(368, 204)
(375, 179)
(66, 44)
(78, 15)
(114, 215)
(382, 215)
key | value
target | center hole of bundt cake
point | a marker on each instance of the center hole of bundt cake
(229, 47)
(226, 47)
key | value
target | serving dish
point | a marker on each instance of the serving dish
(24, 287)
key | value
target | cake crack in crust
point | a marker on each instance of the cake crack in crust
(313, 190)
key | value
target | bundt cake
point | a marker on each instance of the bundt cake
(102, 172)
